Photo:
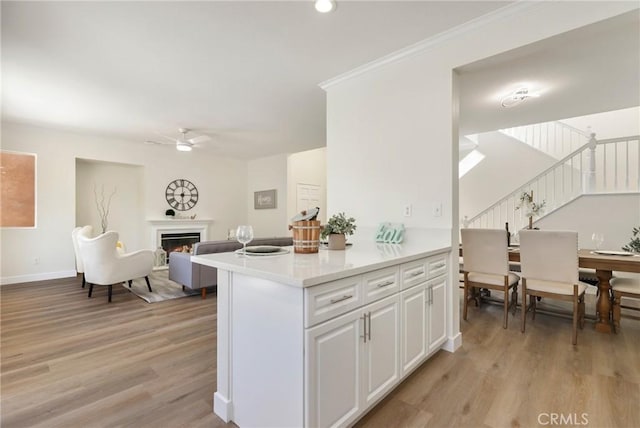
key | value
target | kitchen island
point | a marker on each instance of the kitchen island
(316, 340)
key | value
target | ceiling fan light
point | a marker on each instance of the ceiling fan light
(183, 147)
(324, 6)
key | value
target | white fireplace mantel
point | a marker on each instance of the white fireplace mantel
(160, 226)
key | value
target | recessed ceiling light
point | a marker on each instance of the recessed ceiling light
(518, 96)
(324, 6)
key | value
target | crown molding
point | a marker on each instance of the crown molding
(432, 41)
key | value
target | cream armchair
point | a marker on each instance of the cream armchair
(103, 265)
(85, 231)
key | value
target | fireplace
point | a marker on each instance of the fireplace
(186, 229)
(180, 242)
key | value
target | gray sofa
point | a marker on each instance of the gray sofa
(197, 276)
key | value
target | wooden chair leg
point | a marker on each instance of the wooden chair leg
(109, 292)
(146, 278)
(581, 311)
(524, 307)
(466, 300)
(514, 299)
(616, 311)
(203, 292)
(533, 307)
(506, 307)
(575, 316)
(90, 289)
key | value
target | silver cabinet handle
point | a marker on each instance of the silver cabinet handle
(420, 272)
(439, 265)
(369, 326)
(384, 284)
(340, 299)
(364, 327)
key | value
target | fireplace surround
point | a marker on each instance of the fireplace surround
(177, 227)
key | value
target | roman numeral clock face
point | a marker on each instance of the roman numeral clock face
(181, 194)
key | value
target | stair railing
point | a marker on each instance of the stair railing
(608, 166)
(557, 139)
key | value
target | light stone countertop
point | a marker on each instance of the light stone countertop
(304, 270)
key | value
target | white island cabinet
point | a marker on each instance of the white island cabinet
(315, 340)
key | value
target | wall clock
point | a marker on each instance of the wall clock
(181, 194)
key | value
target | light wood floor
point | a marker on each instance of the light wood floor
(69, 361)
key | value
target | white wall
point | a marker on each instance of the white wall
(222, 184)
(126, 211)
(508, 164)
(612, 124)
(389, 129)
(612, 215)
(308, 167)
(265, 174)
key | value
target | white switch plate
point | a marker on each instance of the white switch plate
(407, 210)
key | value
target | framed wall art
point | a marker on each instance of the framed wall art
(265, 199)
(17, 189)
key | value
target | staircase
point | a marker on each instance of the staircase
(584, 166)
(556, 139)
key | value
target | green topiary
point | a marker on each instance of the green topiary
(634, 245)
(339, 223)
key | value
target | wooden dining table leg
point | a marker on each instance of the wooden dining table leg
(603, 307)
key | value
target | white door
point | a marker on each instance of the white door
(307, 196)
(437, 313)
(381, 354)
(332, 373)
(414, 327)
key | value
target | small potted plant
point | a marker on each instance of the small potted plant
(634, 245)
(336, 229)
(170, 213)
(531, 208)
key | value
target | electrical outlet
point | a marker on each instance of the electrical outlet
(437, 209)
(407, 210)
(36, 260)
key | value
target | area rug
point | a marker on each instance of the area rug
(163, 288)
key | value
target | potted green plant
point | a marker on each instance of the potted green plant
(531, 208)
(634, 245)
(336, 229)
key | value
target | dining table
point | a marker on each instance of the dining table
(605, 263)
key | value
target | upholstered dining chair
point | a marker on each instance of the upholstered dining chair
(85, 231)
(486, 265)
(623, 287)
(549, 261)
(103, 264)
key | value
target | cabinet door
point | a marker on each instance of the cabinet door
(414, 327)
(381, 365)
(437, 312)
(332, 371)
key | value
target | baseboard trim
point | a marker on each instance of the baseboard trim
(453, 343)
(222, 407)
(5, 280)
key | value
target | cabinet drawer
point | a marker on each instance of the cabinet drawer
(380, 283)
(326, 301)
(413, 273)
(436, 265)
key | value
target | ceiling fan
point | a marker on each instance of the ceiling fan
(183, 143)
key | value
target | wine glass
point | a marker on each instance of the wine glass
(244, 235)
(598, 239)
